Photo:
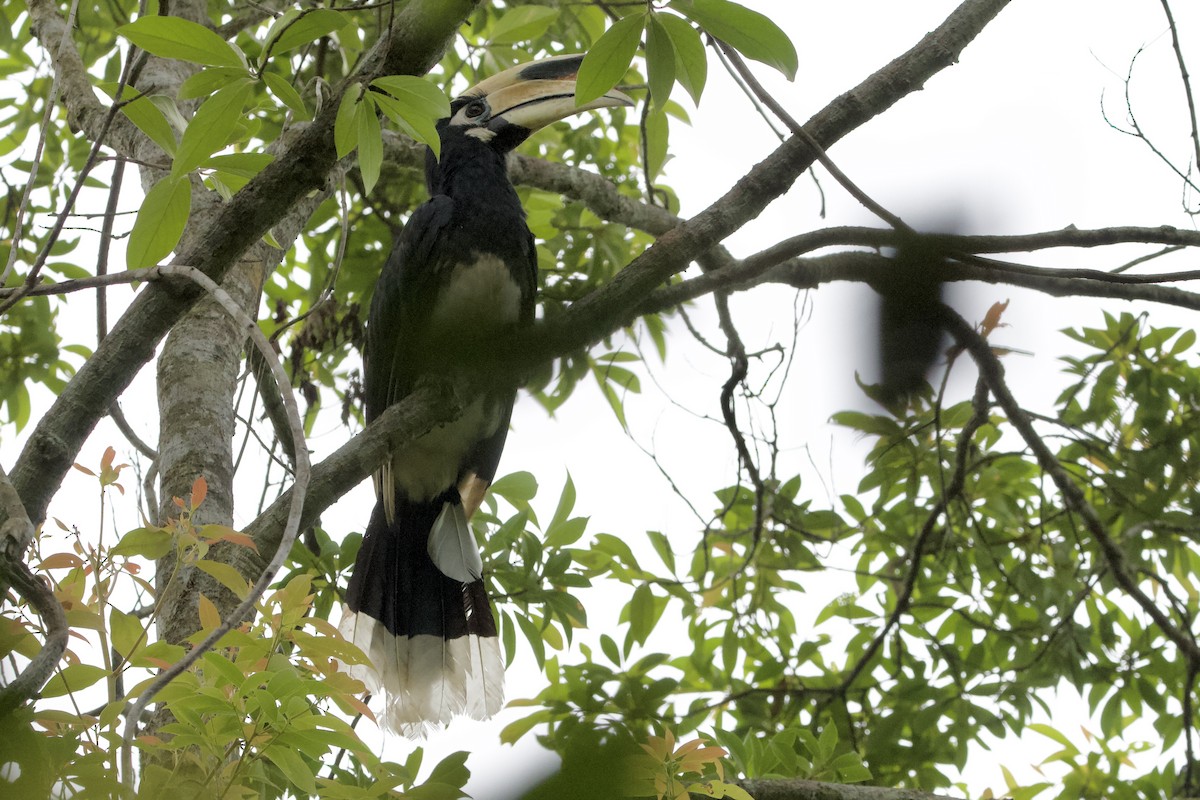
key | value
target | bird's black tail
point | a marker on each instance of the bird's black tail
(431, 639)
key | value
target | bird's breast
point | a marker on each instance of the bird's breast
(479, 293)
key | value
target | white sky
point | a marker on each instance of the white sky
(1011, 140)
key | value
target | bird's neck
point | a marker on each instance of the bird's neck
(472, 173)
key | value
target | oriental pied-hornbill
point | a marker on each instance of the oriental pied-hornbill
(464, 265)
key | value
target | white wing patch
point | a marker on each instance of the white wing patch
(452, 545)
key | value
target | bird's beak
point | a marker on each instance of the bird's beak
(538, 93)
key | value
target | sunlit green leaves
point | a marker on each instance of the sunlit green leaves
(174, 37)
(691, 61)
(660, 60)
(370, 145)
(607, 61)
(149, 119)
(345, 126)
(298, 27)
(522, 23)
(211, 127)
(749, 32)
(160, 222)
(414, 104)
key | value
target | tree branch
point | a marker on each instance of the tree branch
(779, 263)
(796, 789)
(13, 533)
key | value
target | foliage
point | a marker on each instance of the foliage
(884, 635)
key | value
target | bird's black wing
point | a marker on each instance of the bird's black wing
(404, 294)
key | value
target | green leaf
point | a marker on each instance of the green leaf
(657, 130)
(451, 770)
(516, 487)
(207, 81)
(749, 32)
(150, 120)
(287, 94)
(293, 766)
(522, 24)
(211, 127)
(126, 632)
(159, 224)
(641, 613)
(423, 98)
(147, 542)
(296, 28)
(660, 61)
(174, 37)
(370, 145)
(247, 165)
(227, 576)
(691, 61)
(609, 647)
(566, 502)
(73, 679)
(345, 127)
(608, 59)
(415, 105)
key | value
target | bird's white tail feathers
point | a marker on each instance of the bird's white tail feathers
(452, 545)
(425, 680)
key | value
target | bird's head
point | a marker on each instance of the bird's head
(507, 108)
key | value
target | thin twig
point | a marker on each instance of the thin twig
(798, 130)
(1187, 83)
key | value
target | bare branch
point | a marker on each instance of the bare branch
(770, 102)
(1187, 82)
(796, 789)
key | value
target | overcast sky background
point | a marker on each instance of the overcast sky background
(1011, 140)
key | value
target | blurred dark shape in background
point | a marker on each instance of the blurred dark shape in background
(909, 326)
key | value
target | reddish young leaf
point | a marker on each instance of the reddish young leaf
(991, 320)
(199, 492)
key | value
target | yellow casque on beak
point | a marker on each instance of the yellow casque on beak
(539, 93)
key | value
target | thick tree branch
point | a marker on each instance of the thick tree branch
(415, 43)
(796, 789)
(13, 533)
(779, 263)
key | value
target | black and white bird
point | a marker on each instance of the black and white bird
(464, 265)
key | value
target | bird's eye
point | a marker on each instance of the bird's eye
(475, 109)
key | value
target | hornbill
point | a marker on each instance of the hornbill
(465, 264)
